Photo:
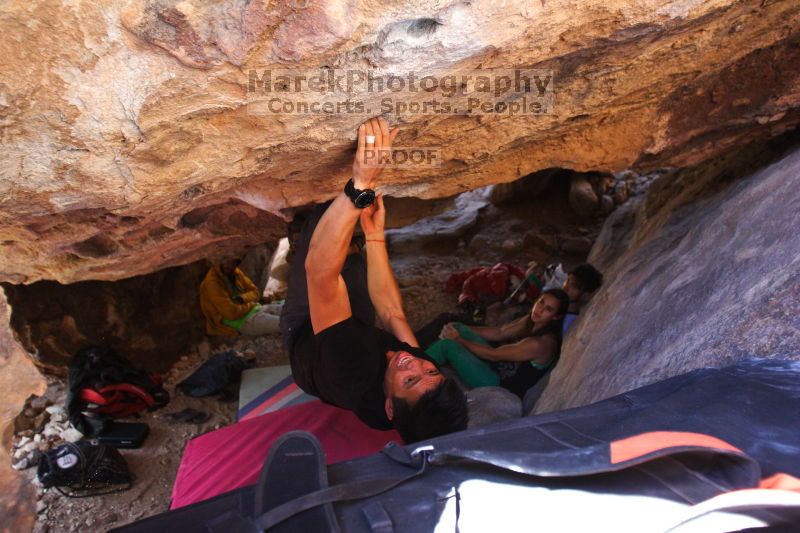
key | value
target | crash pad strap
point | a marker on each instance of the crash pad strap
(628, 452)
(347, 491)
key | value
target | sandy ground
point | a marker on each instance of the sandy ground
(155, 464)
(421, 274)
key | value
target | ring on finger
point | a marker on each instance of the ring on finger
(370, 139)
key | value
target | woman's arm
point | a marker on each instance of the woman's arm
(502, 333)
(539, 349)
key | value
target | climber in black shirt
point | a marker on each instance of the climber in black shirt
(336, 352)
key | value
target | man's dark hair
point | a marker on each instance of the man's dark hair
(439, 411)
(588, 277)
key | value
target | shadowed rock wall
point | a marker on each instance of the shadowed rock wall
(709, 273)
(152, 320)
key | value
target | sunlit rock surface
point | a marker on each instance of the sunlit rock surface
(130, 143)
(709, 273)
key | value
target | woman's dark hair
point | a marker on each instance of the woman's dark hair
(588, 277)
(439, 411)
(563, 300)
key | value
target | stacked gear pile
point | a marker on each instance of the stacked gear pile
(104, 386)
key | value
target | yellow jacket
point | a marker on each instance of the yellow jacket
(217, 303)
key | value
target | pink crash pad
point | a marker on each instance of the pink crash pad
(232, 457)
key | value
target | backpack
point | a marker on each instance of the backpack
(104, 386)
(84, 468)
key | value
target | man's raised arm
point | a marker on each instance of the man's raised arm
(383, 289)
(327, 292)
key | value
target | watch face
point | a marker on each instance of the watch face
(365, 199)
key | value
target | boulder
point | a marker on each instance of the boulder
(489, 405)
(450, 225)
(535, 240)
(606, 204)
(513, 245)
(620, 193)
(614, 236)
(582, 197)
(39, 403)
(138, 135)
(278, 272)
(254, 264)
(708, 275)
(577, 245)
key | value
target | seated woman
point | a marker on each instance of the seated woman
(533, 340)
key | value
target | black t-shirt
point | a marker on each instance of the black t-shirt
(345, 364)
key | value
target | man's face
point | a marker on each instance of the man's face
(408, 378)
(229, 266)
(572, 288)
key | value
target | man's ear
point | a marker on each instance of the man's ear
(389, 408)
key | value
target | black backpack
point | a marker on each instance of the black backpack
(84, 468)
(104, 386)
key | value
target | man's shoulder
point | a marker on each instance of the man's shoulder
(211, 280)
(349, 327)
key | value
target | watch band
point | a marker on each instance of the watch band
(360, 199)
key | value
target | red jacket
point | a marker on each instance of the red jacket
(493, 283)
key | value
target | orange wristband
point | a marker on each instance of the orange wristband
(375, 240)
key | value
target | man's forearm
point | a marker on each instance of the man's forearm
(382, 285)
(525, 350)
(327, 250)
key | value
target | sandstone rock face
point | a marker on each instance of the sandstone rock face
(706, 273)
(454, 223)
(18, 380)
(130, 141)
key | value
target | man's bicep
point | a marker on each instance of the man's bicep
(328, 302)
